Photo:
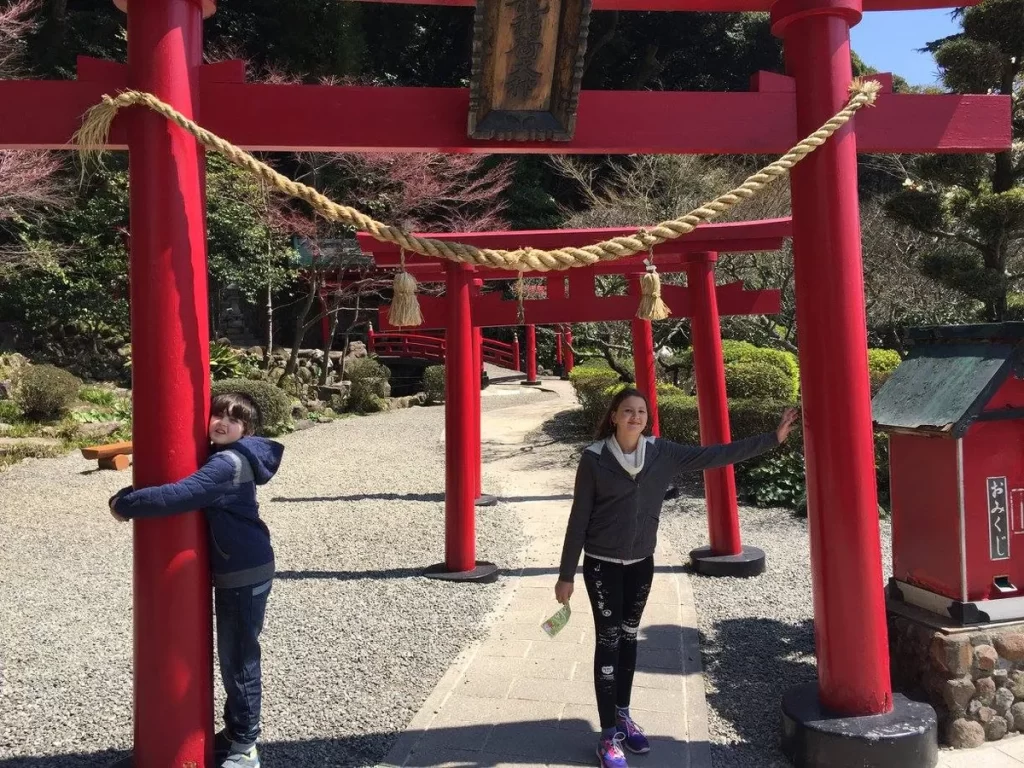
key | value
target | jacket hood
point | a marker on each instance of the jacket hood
(263, 455)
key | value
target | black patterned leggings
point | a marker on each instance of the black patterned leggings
(618, 594)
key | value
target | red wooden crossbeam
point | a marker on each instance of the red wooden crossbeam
(490, 310)
(670, 262)
(44, 114)
(730, 237)
(721, 6)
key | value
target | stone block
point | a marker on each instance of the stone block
(1017, 713)
(985, 658)
(995, 728)
(965, 734)
(1003, 700)
(958, 692)
(953, 654)
(1010, 646)
(986, 691)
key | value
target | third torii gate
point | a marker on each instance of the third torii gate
(572, 298)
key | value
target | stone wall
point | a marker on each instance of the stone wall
(973, 677)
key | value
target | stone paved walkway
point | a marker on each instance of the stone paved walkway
(522, 699)
(1007, 753)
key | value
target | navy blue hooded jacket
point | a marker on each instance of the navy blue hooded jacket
(225, 488)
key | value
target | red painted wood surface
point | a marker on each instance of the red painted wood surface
(41, 114)
(171, 614)
(846, 566)
(722, 6)
(429, 345)
(491, 310)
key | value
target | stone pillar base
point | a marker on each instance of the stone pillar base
(973, 676)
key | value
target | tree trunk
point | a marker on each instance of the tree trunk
(325, 368)
(300, 329)
(270, 327)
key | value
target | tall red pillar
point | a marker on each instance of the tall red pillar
(568, 357)
(643, 364)
(726, 555)
(173, 696)
(481, 499)
(462, 377)
(478, 343)
(531, 356)
(849, 609)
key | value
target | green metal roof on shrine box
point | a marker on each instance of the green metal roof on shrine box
(949, 377)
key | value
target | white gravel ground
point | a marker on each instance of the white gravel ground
(355, 639)
(757, 635)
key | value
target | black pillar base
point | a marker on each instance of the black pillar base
(749, 562)
(484, 573)
(907, 737)
(671, 493)
(485, 500)
(530, 383)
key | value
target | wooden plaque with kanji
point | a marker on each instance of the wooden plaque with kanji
(527, 65)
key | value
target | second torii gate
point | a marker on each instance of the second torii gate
(572, 297)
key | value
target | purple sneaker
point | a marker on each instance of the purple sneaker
(634, 737)
(609, 752)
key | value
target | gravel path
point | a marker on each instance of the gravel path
(757, 635)
(355, 639)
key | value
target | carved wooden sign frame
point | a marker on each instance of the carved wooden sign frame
(527, 65)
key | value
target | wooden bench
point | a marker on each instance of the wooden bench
(110, 456)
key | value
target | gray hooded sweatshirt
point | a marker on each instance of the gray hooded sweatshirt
(616, 516)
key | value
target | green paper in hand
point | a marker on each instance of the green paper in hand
(556, 623)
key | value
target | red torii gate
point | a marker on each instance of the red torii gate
(571, 297)
(172, 613)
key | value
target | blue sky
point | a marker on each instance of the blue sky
(888, 41)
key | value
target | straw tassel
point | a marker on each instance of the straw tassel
(405, 307)
(651, 305)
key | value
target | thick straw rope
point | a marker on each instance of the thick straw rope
(96, 126)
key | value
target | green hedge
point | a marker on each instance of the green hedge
(44, 391)
(881, 364)
(755, 380)
(274, 405)
(371, 385)
(433, 384)
(592, 383)
(783, 361)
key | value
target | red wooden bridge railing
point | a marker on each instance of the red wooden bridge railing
(430, 345)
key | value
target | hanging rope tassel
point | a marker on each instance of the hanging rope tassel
(405, 307)
(651, 305)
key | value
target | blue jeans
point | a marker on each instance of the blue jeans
(239, 623)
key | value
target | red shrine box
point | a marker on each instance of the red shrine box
(954, 411)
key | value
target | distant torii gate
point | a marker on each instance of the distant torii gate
(172, 603)
(571, 298)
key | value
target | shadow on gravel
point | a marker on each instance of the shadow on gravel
(553, 571)
(568, 426)
(430, 497)
(391, 573)
(537, 742)
(757, 661)
(362, 497)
